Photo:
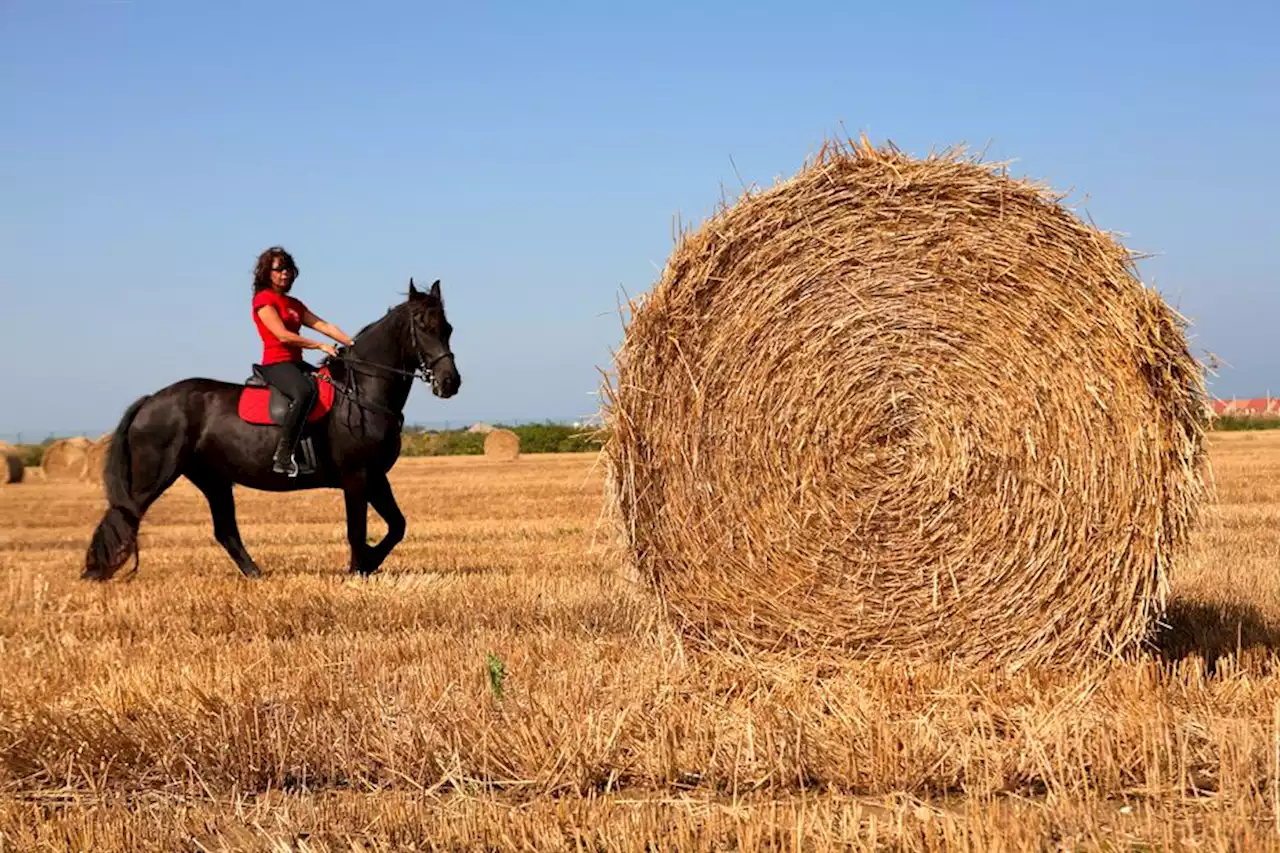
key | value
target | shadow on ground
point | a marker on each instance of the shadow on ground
(1213, 630)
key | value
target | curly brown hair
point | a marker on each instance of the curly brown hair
(262, 271)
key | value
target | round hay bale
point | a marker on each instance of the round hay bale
(67, 459)
(96, 458)
(11, 468)
(907, 406)
(502, 445)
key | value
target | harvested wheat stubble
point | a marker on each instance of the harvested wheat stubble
(502, 444)
(67, 459)
(11, 467)
(907, 406)
(96, 458)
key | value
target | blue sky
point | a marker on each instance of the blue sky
(534, 157)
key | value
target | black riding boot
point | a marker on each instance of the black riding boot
(284, 463)
(291, 379)
(295, 421)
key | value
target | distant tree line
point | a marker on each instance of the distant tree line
(534, 438)
(567, 438)
(1236, 423)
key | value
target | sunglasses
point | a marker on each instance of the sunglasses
(284, 269)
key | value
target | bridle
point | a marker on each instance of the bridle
(427, 367)
(424, 371)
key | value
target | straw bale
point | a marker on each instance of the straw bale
(67, 459)
(11, 468)
(502, 445)
(96, 458)
(905, 406)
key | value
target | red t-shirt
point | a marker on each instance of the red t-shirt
(291, 312)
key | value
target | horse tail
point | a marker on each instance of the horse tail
(117, 534)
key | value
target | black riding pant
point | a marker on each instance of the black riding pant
(293, 380)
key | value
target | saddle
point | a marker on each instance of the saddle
(260, 403)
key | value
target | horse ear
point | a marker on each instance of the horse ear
(413, 291)
(435, 289)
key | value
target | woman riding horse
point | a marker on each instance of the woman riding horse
(193, 428)
(278, 317)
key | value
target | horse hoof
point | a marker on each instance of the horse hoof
(251, 572)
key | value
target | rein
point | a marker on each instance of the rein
(423, 371)
(346, 391)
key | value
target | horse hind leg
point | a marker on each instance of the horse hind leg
(222, 505)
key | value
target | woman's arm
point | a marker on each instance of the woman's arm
(271, 319)
(311, 321)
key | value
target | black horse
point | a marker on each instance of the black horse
(204, 430)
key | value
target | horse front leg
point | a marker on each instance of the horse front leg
(384, 502)
(355, 495)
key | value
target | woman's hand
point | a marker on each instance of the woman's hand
(329, 348)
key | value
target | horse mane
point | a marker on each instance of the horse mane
(373, 323)
(338, 368)
(407, 304)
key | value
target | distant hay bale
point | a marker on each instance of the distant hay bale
(67, 459)
(502, 445)
(910, 407)
(11, 468)
(96, 458)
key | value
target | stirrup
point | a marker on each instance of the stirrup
(279, 467)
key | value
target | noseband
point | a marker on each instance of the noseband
(427, 366)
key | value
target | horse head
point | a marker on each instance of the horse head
(429, 333)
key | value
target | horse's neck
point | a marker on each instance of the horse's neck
(381, 345)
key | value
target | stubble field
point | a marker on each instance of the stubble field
(502, 686)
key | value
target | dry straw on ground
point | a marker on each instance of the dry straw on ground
(11, 468)
(328, 712)
(96, 458)
(502, 444)
(906, 405)
(66, 459)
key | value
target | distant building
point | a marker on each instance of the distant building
(1255, 407)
